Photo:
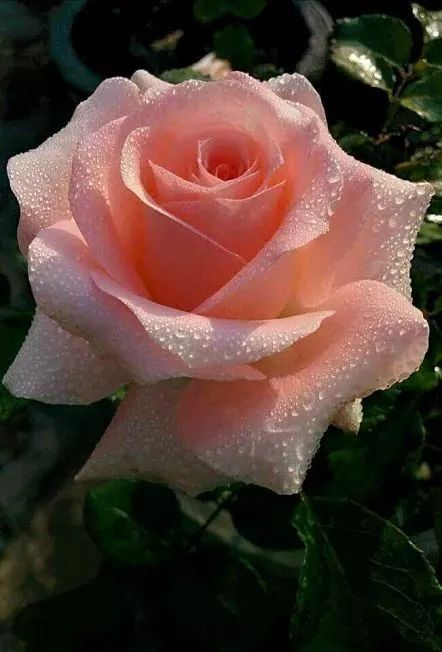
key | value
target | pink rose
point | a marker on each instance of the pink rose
(213, 232)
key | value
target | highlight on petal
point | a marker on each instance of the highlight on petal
(201, 341)
(297, 88)
(268, 432)
(54, 366)
(148, 82)
(380, 215)
(40, 178)
(60, 271)
(103, 208)
(141, 442)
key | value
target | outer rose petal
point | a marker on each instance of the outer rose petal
(380, 216)
(54, 366)
(267, 432)
(205, 342)
(95, 183)
(349, 418)
(164, 342)
(40, 178)
(60, 268)
(141, 442)
(147, 82)
(297, 88)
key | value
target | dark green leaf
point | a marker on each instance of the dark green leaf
(12, 334)
(392, 425)
(429, 233)
(9, 404)
(235, 44)
(424, 97)
(220, 601)
(371, 48)
(247, 513)
(133, 522)
(433, 52)
(208, 10)
(363, 582)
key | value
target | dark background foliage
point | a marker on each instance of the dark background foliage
(353, 563)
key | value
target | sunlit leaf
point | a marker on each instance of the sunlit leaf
(424, 96)
(371, 48)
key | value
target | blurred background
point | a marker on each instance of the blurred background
(138, 567)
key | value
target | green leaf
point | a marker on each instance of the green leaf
(235, 44)
(219, 602)
(432, 53)
(208, 10)
(392, 425)
(431, 21)
(247, 512)
(424, 97)
(363, 584)
(134, 522)
(178, 75)
(9, 405)
(429, 232)
(371, 48)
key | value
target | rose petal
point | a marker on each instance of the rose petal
(147, 82)
(40, 178)
(141, 442)
(60, 269)
(267, 432)
(202, 341)
(240, 225)
(297, 88)
(306, 217)
(183, 265)
(54, 366)
(349, 418)
(102, 206)
(379, 235)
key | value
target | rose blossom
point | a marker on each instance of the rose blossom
(213, 232)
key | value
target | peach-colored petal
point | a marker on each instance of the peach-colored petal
(349, 417)
(380, 216)
(40, 178)
(100, 215)
(170, 187)
(141, 442)
(262, 296)
(297, 88)
(267, 432)
(240, 225)
(148, 82)
(319, 179)
(182, 265)
(60, 268)
(202, 341)
(54, 366)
